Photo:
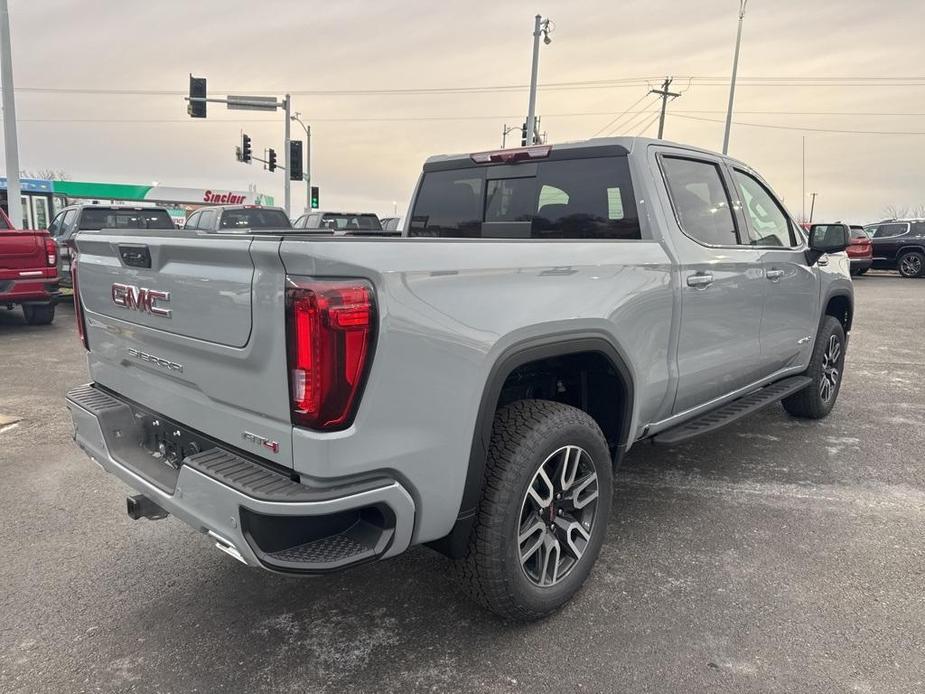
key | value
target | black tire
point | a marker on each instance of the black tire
(863, 270)
(811, 403)
(911, 264)
(39, 314)
(525, 437)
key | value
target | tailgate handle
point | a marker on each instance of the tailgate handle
(136, 256)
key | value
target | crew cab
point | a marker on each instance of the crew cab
(313, 402)
(237, 217)
(93, 217)
(28, 272)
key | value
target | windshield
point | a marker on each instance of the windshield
(102, 218)
(351, 222)
(255, 218)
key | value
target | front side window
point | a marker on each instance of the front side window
(700, 200)
(768, 223)
(56, 228)
(193, 221)
(588, 198)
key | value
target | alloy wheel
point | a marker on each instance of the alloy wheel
(830, 369)
(557, 515)
(910, 265)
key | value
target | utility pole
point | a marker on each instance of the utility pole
(732, 85)
(812, 206)
(540, 27)
(664, 93)
(803, 196)
(13, 192)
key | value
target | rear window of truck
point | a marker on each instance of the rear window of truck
(564, 199)
(254, 218)
(351, 222)
(91, 219)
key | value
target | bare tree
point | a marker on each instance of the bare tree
(895, 212)
(46, 174)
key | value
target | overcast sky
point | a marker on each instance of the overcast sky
(367, 154)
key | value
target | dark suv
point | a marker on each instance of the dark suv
(899, 245)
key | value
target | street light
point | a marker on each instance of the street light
(732, 85)
(540, 27)
(297, 117)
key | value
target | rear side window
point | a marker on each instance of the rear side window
(887, 230)
(700, 200)
(568, 199)
(101, 218)
(255, 218)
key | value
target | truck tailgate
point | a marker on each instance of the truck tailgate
(192, 328)
(21, 250)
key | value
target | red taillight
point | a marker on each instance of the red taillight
(78, 306)
(330, 327)
(509, 156)
(51, 252)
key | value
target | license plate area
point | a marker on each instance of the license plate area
(152, 446)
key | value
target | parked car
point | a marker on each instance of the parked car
(339, 222)
(899, 245)
(90, 217)
(391, 223)
(28, 272)
(860, 250)
(237, 218)
(324, 401)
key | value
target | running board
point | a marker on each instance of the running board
(732, 411)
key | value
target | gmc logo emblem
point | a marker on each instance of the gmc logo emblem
(140, 299)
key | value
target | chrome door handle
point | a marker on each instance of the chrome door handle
(774, 275)
(701, 280)
(822, 261)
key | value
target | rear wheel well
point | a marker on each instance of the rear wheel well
(587, 381)
(840, 307)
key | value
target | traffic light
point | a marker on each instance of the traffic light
(295, 160)
(271, 159)
(314, 197)
(523, 135)
(197, 90)
(246, 151)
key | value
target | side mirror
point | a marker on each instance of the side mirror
(826, 238)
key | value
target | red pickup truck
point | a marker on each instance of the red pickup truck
(28, 272)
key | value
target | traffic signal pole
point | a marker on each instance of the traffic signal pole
(288, 188)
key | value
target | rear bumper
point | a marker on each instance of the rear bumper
(861, 263)
(254, 513)
(24, 291)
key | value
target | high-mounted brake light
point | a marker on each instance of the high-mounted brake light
(330, 326)
(509, 156)
(51, 252)
(78, 306)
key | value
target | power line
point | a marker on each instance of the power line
(705, 81)
(800, 128)
(649, 125)
(619, 116)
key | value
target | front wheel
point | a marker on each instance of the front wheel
(543, 513)
(911, 264)
(826, 368)
(38, 314)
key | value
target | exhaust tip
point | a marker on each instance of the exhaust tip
(140, 506)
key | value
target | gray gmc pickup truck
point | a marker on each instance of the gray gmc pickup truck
(312, 403)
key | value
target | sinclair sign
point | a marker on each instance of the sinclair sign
(217, 198)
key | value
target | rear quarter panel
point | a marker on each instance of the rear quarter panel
(448, 309)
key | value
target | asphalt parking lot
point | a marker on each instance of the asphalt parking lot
(776, 555)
